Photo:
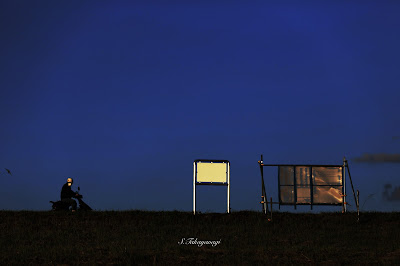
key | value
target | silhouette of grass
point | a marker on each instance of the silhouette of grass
(141, 237)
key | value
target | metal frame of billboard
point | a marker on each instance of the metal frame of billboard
(209, 180)
(311, 186)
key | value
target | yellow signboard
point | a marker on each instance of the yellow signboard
(212, 172)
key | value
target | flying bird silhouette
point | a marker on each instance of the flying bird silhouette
(8, 171)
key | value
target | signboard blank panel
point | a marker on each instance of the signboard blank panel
(212, 172)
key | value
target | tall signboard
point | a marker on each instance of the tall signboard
(211, 172)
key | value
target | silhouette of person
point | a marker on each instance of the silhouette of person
(67, 194)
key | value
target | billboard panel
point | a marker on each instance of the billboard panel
(310, 184)
(287, 194)
(286, 175)
(327, 195)
(303, 195)
(327, 176)
(302, 176)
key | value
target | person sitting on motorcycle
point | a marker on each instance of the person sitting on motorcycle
(67, 194)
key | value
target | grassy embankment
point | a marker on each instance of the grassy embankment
(139, 237)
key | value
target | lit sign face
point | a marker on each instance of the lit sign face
(214, 172)
(310, 185)
(328, 185)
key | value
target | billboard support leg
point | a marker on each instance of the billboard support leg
(229, 187)
(311, 188)
(263, 193)
(271, 208)
(279, 188)
(194, 188)
(358, 207)
(344, 208)
(351, 183)
(295, 187)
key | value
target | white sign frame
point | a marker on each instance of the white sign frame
(211, 172)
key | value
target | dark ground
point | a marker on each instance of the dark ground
(140, 237)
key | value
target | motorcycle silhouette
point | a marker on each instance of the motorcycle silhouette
(63, 206)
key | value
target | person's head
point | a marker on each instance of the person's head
(70, 181)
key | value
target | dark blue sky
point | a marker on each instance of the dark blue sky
(124, 95)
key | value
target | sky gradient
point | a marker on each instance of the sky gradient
(123, 96)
